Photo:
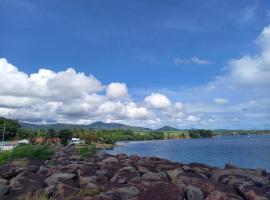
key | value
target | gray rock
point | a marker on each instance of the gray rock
(131, 169)
(3, 182)
(3, 190)
(53, 179)
(75, 157)
(111, 159)
(186, 168)
(194, 193)
(217, 195)
(86, 181)
(102, 172)
(42, 170)
(125, 193)
(49, 190)
(151, 176)
(216, 174)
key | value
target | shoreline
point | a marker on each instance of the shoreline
(102, 176)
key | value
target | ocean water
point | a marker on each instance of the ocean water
(245, 151)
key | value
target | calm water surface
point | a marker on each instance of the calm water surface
(245, 151)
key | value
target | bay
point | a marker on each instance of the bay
(252, 151)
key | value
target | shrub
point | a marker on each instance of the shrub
(88, 150)
(38, 152)
(4, 156)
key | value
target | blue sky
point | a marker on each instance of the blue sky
(178, 49)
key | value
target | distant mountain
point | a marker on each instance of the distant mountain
(167, 128)
(95, 125)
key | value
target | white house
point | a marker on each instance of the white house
(76, 141)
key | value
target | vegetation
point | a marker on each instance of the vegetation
(35, 152)
(88, 150)
(14, 131)
(200, 133)
(65, 135)
(12, 127)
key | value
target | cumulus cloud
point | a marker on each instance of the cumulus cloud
(117, 90)
(221, 101)
(193, 60)
(249, 70)
(193, 118)
(157, 100)
(178, 105)
(65, 96)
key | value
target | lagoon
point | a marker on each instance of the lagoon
(252, 151)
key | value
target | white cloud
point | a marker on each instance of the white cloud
(65, 96)
(221, 101)
(117, 90)
(193, 118)
(193, 60)
(45, 83)
(178, 105)
(157, 100)
(249, 70)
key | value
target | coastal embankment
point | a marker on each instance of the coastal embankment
(101, 176)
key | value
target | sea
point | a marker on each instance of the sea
(247, 151)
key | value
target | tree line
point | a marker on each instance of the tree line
(13, 131)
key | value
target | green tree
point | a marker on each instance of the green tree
(12, 128)
(65, 135)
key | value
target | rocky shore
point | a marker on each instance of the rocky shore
(106, 177)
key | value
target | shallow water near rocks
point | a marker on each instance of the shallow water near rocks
(245, 151)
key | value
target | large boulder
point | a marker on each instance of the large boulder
(111, 159)
(125, 193)
(53, 179)
(252, 192)
(162, 191)
(194, 193)
(219, 174)
(151, 176)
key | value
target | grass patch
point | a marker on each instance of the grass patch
(86, 193)
(37, 196)
(51, 163)
(35, 152)
(88, 150)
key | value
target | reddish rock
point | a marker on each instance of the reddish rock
(162, 191)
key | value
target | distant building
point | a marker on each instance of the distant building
(8, 146)
(25, 141)
(77, 141)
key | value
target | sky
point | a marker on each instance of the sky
(187, 64)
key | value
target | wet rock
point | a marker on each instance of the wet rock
(194, 193)
(53, 179)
